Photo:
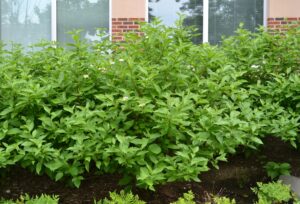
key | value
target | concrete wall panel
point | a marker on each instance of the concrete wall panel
(129, 9)
(284, 8)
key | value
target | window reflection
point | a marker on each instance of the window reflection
(226, 15)
(167, 11)
(87, 15)
(25, 21)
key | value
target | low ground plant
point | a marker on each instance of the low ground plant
(267, 193)
(275, 169)
(187, 198)
(155, 108)
(26, 199)
(121, 198)
(274, 192)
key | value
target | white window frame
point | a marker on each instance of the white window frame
(205, 23)
(266, 12)
(54, 20)
(205, 34)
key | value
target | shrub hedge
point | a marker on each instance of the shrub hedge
(156, 108)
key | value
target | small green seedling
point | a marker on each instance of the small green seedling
(274, 169)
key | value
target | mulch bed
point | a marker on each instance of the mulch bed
(233, 179)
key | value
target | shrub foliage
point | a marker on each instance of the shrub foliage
(156, 108)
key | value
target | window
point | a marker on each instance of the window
(167, 11)
(226, 15)
(80, 14)
(29, 21)
(25, 21)
(213, 18)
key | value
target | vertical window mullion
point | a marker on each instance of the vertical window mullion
(205, 20)
(0, 20)
(110, 19)
(147, 11)
(53, 20)
(266, 9)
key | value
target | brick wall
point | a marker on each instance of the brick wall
(282, 24)
(123, 25)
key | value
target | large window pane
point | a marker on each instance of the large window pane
(167, 11)
(25, 21)
(226, 15)
(87, 15)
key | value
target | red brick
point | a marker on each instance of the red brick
(117, 23)
(134, 26)
(133, 19)
(292, 19)
(116, 30)
(122, 26)
(127, 23)
(274, 22)
(122, 19)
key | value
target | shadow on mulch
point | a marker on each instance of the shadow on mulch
(233, 179)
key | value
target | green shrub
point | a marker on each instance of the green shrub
(274, 169)
(274, 192)
(155, 108)
(187, 198)
(223, 200)
(6, 201)
(122, 198)
(26, 199)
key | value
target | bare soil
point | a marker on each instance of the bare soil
(234, 179)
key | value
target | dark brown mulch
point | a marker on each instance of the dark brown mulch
(233, 179)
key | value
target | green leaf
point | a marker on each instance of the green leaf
(256, 140)
(38, 167)
(58, 176)
(222, 157)
(69, 109)
(6, 111)
(53, 166)
(144, 173)
(125, 180)
(74, 170)
(47, 109)
(30, 125)
(14, 131)
(154, 148)
(77, 181)
(98, 164)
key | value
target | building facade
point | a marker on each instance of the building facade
(29, 21)
(282, 14)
